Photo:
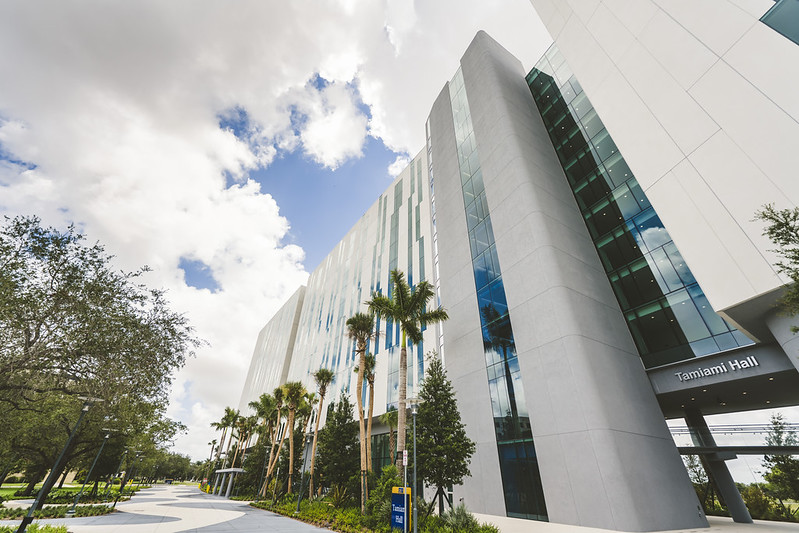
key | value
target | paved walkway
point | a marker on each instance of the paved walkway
(174, 508)
(718, 524)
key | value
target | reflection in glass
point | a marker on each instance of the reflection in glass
(520, 477)
(667, 313)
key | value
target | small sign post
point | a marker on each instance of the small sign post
(400, 501)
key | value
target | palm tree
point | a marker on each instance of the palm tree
(232, 417)
(264, 407)
(360, 328)
(305, 410)
(294, 391)
(246, 425)
(408, 309)
(279, 395)
(228, 421)
(369, 375)
(389, 418)
(323, 378)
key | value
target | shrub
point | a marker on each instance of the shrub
(35, 528)
(338, 496)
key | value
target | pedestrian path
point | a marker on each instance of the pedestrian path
(176, 508)
(718, 524)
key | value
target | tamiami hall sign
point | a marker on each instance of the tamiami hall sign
(719, 367)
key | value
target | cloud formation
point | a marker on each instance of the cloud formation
(142, 121)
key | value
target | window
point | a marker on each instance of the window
(784, 19)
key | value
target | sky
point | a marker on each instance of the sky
(227, 145)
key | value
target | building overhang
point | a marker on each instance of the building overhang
(749, 378)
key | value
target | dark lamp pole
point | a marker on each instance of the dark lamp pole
(71, 510)
(414, 402)
(87, 403)
(308, 438)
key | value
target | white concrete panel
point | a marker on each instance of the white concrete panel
(756, 8)
(704, 232)
(645, 145)
(770, 62)
(634, 14)
(584, 9)
(742, 189)
(550, 15)
(764, 132)
(680, 53)
(685, 121)
(584, 54)
(613, 36)
(718, 24)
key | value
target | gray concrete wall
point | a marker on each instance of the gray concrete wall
(606, 457)
(465, 361)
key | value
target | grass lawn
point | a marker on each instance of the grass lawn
(8, 489)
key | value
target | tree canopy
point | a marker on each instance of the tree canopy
(443, 449)
(783, 230)
(72, 326)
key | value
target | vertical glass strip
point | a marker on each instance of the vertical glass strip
(521, 481)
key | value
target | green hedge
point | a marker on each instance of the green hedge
(36, 528)
(55, 511)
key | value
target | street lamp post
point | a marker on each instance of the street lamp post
(414, 411)
(116, 474)
(87, 402)
(86, 480)
(308, 437)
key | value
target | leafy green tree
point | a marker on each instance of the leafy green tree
(71, 323)
(338, 446)
(407, 308)
(782, 470)
(783, 230)
(72, 326)
(323, 378)
(443, 449)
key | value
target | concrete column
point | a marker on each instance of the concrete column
(780, 327)
(222, 484)
(230, 485)
(701, 436)
(216, 483)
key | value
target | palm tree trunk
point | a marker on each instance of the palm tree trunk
(273, 461)
(391, 442)
(221, 443)
(403, 393)
(361, 427)
(291, 447)
(313, 446)
(369, 426)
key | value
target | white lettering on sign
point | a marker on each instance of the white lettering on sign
(733, 365)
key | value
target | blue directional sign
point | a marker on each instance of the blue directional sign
(400, 501)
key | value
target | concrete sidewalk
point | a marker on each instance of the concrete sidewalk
(176, 508)
(718, 524)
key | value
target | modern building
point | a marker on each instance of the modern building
(576, 325)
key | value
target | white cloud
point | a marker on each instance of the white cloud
(398, 165)
(110, 117)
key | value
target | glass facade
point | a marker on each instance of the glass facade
(668, 314)
(524, 497)
(784, 19)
